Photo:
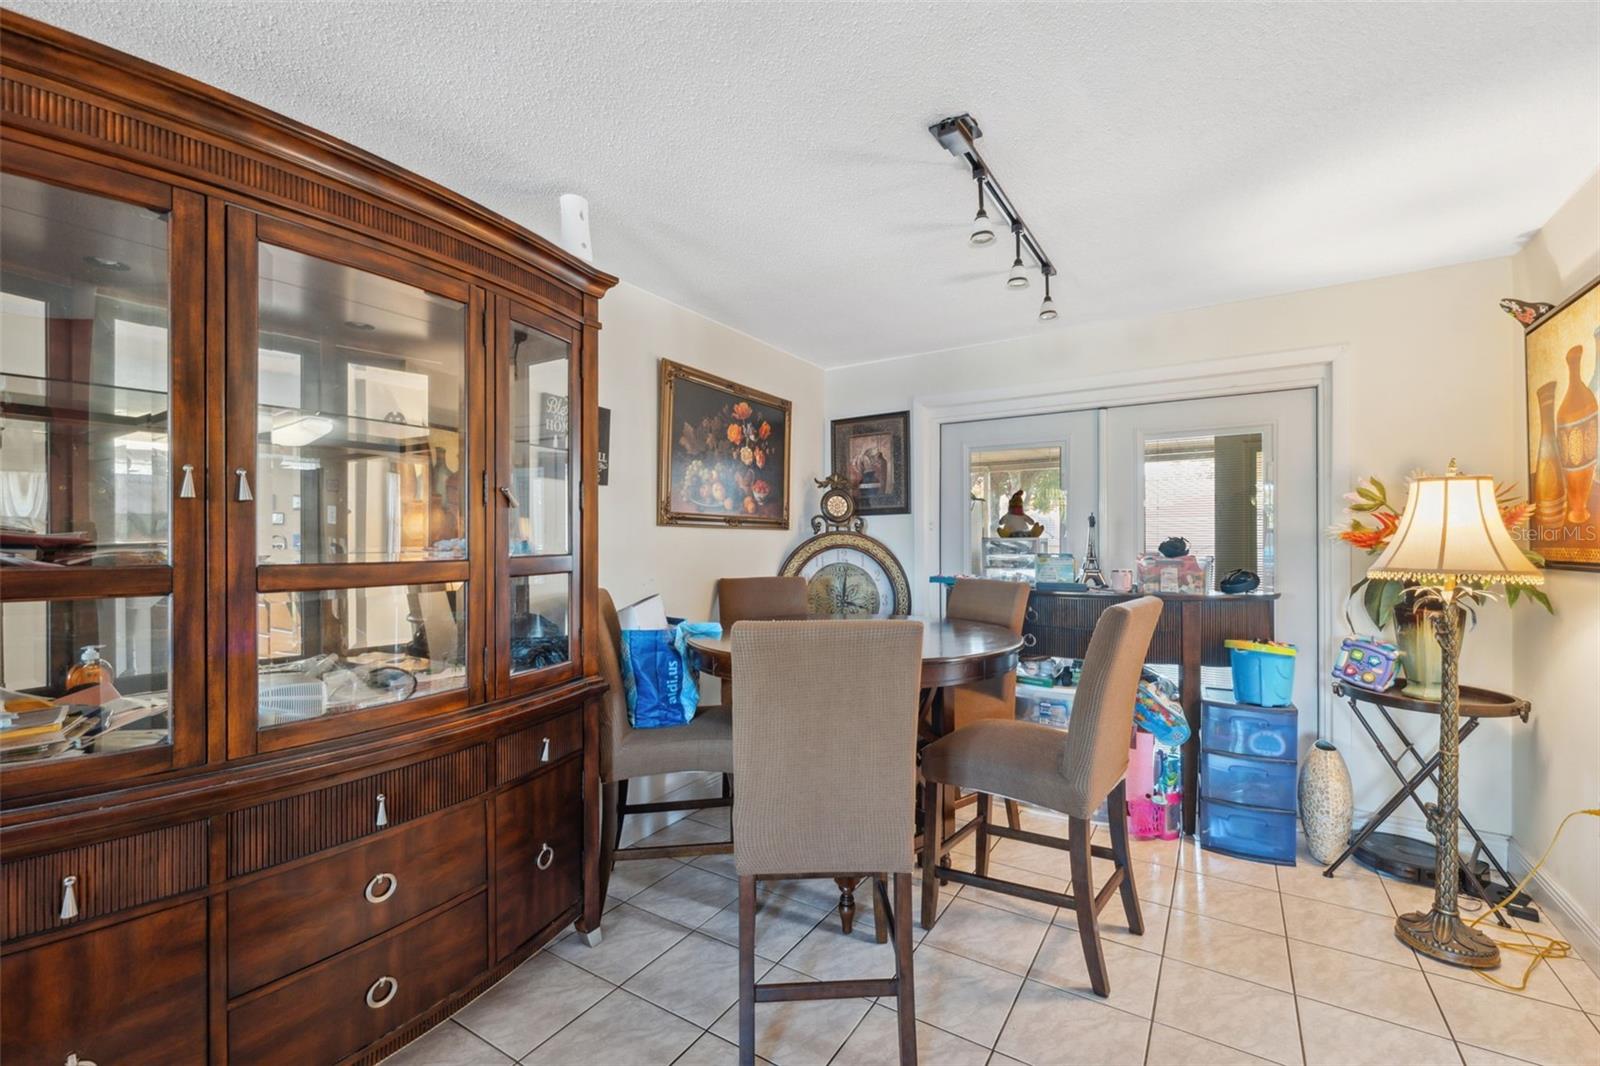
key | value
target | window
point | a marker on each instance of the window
(996, 474)
(1212, 490)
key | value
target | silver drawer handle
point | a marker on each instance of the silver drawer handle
(244, 484)
(69, 898)
(383, 812)
(1029, 640)
(391, 884)
(544, 750)
(186, 490)
(73, 1060)
(1031, 614)
(374, 1000)
(547, 855)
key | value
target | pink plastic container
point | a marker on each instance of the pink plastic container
(1146, 820)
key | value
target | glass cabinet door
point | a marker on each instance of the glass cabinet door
(538, 431)
(351, 466)
(101, 473)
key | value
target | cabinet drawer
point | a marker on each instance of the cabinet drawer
(1249, 832)
(292, 919)
(346, 1004)
(276, 832)
(1251, 781)
(538, 746)
(108, 876)
(1259, 731)
(130, 993)
(538, 867)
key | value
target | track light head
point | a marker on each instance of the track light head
(1047, 310)
(1018, 278)
(982, 229)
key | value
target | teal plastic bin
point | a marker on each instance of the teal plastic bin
(1263, 674)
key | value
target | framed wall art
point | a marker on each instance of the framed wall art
(723, 457)
(1563, 368)
(874, 454)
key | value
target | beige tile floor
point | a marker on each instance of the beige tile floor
(1240, 963)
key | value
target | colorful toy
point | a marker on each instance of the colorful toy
(1016, 522)
(1367, 662)
(1156, 710)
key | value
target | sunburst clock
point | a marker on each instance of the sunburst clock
(847, 573)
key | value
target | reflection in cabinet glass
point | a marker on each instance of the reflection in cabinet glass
(84, 376)
(359, 416)
(83, 677)
(540, 635)
(333, 651)
(541, 443)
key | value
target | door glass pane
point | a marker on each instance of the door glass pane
(539, 626)
(84, 463)
(1212, 490)
(338, 650)
(540, 443)
(359, 416)
(83, 677)
(995, 476)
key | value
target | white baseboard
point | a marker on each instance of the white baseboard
(1576, 926)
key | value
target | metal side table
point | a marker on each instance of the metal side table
(1402, 856)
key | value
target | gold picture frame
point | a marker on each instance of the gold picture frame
(722, 458)
(1563, 375)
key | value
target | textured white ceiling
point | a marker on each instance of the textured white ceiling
(769, 165)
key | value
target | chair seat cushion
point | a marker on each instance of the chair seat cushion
(706, 743)
(1018, 760)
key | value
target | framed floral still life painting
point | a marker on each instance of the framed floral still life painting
(723, 457)
(874, 453)
(1563, 366)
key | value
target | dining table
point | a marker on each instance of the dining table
(955, 652)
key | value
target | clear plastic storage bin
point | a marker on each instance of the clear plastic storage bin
(1248, 832)
(1256, 782)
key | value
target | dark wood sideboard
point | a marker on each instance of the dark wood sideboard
(1189, 635)
(316, 468)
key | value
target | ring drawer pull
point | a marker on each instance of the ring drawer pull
(375, 896)
(544, 750)
(73, 1060)
(69, 898)
(1032, 614)
(374, 1000)
(547, 855)
(1029, 640)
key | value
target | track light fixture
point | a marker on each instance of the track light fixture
(1047, 310)
(982, 228)
(959, 135)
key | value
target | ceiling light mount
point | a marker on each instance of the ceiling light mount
(959, 135)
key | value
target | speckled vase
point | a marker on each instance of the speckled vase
(1327, 802)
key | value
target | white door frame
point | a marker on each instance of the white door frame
(1325, 369)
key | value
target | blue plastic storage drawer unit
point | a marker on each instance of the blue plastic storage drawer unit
(1247, 779)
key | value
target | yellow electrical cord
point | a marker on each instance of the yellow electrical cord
(1552, 948)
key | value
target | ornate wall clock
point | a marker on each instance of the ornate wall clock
(847, 572)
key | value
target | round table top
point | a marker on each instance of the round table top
(1474, 702)
(953, 651)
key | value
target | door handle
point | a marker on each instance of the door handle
(244, 484)
(511, 497)
(186, 491)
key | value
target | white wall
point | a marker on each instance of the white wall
(1430, 358)
(1556, 758)
(638, 557)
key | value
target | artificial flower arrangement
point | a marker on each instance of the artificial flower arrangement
(1370, 500)
(734, 448)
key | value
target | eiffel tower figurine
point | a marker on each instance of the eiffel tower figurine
(1091, 562)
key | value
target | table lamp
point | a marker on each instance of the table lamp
(1450, 544)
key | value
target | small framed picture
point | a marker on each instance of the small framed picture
(874, 453)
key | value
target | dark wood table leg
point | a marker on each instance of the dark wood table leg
(847, 902)
(1189, 696)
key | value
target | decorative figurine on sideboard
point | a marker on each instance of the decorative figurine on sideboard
(1092, 574)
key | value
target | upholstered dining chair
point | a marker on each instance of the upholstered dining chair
(1069, 772)
(999, 603)
(705, 744)
(758, 599)
(824, 753)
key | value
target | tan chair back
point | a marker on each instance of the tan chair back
(999, 603)
(614, 723)
(825, 746)
(1094, 755)
(761, 599)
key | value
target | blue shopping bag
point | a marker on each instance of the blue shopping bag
(658, 674)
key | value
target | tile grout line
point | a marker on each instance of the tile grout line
(1294, 989)
(1155, 1000)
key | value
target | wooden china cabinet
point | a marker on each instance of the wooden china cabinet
(297, 603)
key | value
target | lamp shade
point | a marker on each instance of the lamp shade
(1452, 532)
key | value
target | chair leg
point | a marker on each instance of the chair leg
(1013, 814)
(905, 990)
(622, 801)
(1094, 956)
(880, 916)
(610, 832)
(747, 971)
(932, 843)
(981, 865)
(1117, 812)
